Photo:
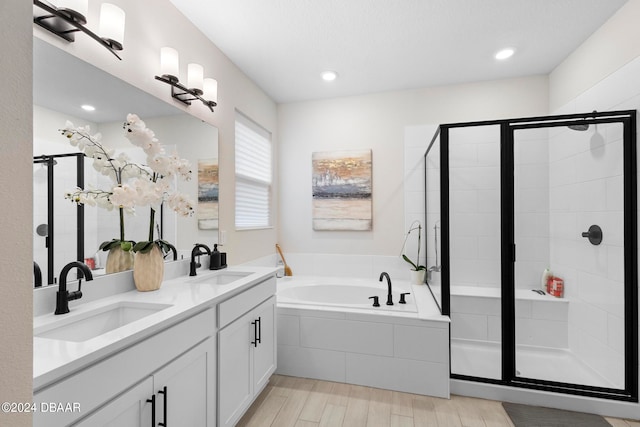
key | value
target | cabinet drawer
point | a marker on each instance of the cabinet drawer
(96, 384)
(235, 307)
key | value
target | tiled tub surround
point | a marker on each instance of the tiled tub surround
(393, 349)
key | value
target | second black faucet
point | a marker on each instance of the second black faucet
(389, 295)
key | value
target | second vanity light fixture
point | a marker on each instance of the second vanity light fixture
(197, 88)
(67, 17)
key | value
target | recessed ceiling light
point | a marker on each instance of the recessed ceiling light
(87, 107)
(329, 76)
(505, 53)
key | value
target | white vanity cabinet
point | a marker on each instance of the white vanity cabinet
(176, 367)
(246, 349)
(176, 395)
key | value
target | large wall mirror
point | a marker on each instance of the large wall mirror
(62, 85)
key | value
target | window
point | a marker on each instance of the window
(253, 175)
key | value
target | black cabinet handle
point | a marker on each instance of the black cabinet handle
(153, 410)
(255, 333)
(164, 406)
(259, 339)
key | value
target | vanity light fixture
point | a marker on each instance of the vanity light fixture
(69, 17)
(197, 86)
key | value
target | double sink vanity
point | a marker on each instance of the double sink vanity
(196, 352)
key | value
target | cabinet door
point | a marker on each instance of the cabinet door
(130, 409)
(264, 355)
(184, 388)
(234, 370)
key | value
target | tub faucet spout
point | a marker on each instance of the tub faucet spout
(389, 297)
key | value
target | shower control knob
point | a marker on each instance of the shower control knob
(594, 234)
(375, 301)
(402, 300)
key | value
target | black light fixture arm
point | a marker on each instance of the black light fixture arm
(65, 22)
(184, 95)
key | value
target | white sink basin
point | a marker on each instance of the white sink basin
(225, 278)
(83, 327)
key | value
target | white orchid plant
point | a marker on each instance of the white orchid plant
(415, 265)
(134, 184)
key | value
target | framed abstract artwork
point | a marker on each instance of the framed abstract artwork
(341, 190)
(208, 194)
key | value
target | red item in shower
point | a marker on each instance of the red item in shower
(556, 287)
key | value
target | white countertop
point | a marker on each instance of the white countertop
(54, 359)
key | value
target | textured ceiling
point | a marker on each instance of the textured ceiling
(382, 45)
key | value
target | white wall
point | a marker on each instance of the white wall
(16, 265)
(378, 122)
(611, 46)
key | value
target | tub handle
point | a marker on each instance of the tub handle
(402, 300)
(376, 303)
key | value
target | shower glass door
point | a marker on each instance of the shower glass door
(473, 236)
(569, 271)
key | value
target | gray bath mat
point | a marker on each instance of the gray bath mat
(536, 416)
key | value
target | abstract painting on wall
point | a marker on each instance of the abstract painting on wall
(342, 190)
(208, 194)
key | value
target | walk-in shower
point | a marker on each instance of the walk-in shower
(507, 200)
(57, 242)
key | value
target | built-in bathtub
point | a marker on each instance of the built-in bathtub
(329, 330)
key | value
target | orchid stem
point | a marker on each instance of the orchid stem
(151, 221)
(121, 224)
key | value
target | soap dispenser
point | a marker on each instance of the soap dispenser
(215, 260)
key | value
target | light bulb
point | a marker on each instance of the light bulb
(505, 53)
(112, 24)
(211, 90)
(195, 77)
(169, 63)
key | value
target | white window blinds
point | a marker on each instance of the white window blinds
(253, 174)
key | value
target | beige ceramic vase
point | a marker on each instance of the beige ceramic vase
(148, 270)
(119, 260)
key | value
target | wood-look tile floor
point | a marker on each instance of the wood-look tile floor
(301, 402)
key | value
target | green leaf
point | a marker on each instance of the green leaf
(143, 247)
(108, 245)
(415, 267)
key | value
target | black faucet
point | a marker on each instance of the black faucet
(385, 274)
(63, 296)
(172, 249)
(37, 275)
(196, 252)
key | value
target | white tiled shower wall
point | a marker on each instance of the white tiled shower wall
(586, 189)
